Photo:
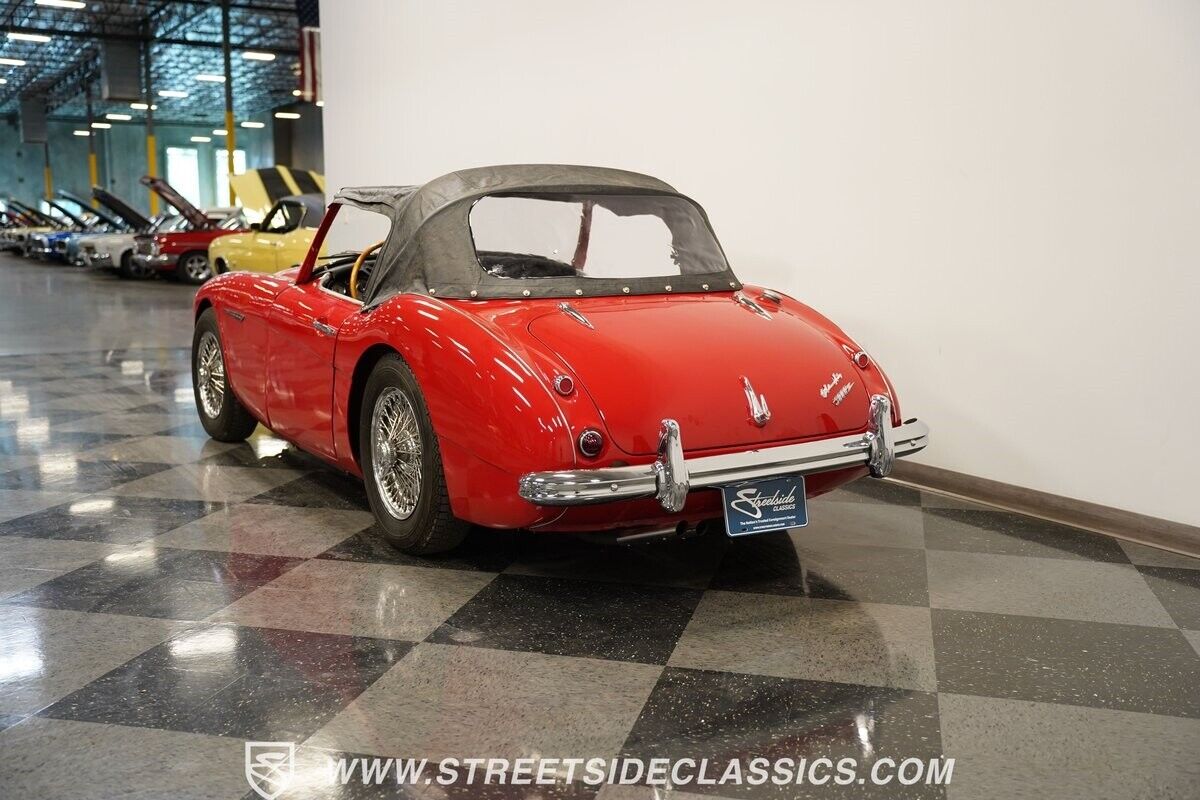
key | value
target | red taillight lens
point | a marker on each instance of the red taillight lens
(591, 442)
(564, 385)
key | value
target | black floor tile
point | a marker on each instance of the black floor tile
(58, 442)
(775, 564)
(483, 550)
(1099, 664)
(724, 716)
(82, 476)
(1006, 533)
(620, 622)
(158, 582)
(1179, 592)
(116, 520)
(324, 488)
(227, 680)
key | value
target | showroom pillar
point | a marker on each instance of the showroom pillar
(48, 178)
(93, 171)
(151, 144)
(230, 131)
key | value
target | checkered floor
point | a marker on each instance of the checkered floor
(164, 598)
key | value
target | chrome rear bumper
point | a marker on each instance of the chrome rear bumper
(672, 475)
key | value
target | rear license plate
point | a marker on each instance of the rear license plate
(761, 506)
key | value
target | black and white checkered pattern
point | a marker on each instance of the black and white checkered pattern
(164, 597)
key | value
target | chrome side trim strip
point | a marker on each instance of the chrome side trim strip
(671, 476)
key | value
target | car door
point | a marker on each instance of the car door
(305, 320)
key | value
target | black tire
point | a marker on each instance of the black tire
(430, 527)
(193, 267)
(128, 269)
(231, 422)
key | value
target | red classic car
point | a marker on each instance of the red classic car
(544, 347)
(183, 255)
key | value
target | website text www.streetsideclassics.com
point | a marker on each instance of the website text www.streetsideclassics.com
(677, 773)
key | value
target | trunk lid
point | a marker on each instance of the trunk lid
(647, 359)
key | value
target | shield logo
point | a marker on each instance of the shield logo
(269, 767)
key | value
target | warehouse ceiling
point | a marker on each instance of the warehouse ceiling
(185, 41)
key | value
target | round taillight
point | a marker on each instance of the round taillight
(564, 385)
(591, 442)
(862, 360)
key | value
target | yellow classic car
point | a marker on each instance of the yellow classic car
(280, 241)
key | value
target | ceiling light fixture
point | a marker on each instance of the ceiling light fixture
(255, 55)
(286, 115)
(201, 139)
(211, 78)
(83, 133)
(3, 81)
(171, 93)
(251, 124)
(118, 117)
(103, 126)
(28, 37)
(12, 62)
(296, 92)
(320, 104)
(74, 5)
(220, 132)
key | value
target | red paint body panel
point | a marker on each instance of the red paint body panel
(486, 369)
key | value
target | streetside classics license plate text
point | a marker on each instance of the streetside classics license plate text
(761, 506)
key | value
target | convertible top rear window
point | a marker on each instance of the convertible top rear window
(607, 236)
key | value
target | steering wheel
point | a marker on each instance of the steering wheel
(358, 262)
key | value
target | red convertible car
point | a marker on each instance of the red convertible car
(545, 347)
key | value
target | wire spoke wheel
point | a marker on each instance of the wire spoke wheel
(210, 375)
(396, 452)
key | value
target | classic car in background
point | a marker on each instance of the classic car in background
(130, 221)
(547, 347)
(35, 221)
(281, 240)
(182, 255)
(87, 221)
(115, 250)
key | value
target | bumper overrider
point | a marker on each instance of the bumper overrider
(672, 475)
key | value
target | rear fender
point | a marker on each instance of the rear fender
(489, 401)
(873, 378)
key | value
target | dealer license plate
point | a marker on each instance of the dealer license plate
(768, 505)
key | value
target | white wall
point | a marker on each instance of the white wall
(1000, 199)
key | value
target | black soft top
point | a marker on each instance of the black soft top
(430, 250)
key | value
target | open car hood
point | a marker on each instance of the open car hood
(122, 209)
(198, 220)
(644, 360)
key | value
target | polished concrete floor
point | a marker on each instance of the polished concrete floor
(165, 598)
